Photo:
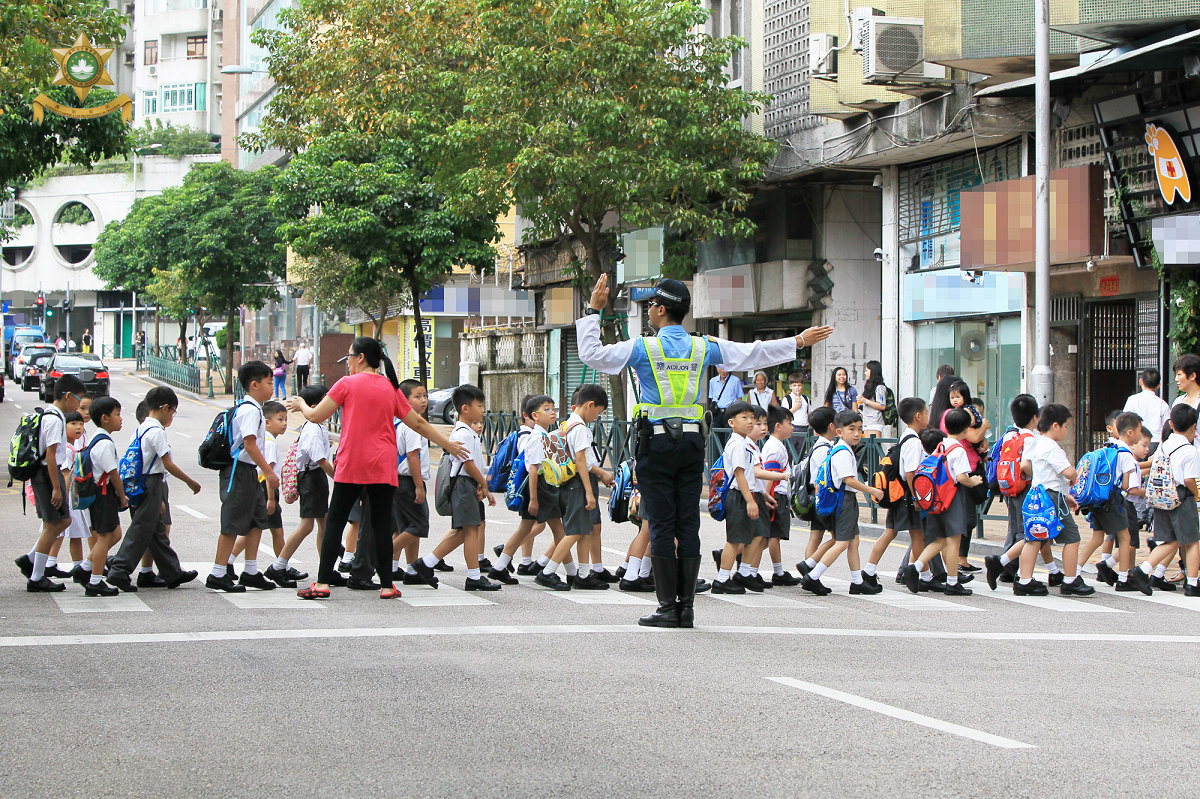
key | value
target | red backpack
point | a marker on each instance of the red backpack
(1009, 478)
(933, 485)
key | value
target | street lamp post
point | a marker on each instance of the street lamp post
(1041, 382)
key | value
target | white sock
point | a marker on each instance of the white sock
(145, 570)
(32, 552)
(1145, 567)
(395, 565)
(232, 558)
(430, 560)
(778, 569)
(526, 561)
(473, 574)
(952, 580)
(817, 571)
(856, 576)
(218, 571)
(598, 568)
(51, 561)
(1122, 577)
(94, 580)
(86, 565)
(722, 575)
(1193, 581)
(1160, 570)
(572, 569)
(920, 566)
(869, 569)
(1026, 580)
(633, 569)
(409, 569)
(744, 570)
(810, 562)
(927, 575)
(503, 561)
(542, 561)
(1005, 560)
(347, 556)
(39, 566)
(1110, 561)
(550, 568)
(280, 563)
(753, 571)
(585, 567)
(251, 567)
(645, 569)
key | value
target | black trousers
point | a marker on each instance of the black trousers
(378, 498)
(147, 530)
(669, 479)
(302, 376)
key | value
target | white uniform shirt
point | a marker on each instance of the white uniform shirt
(1154, 412)
(270, 454)
(534, 449)
(1183, 459)
(53, 431)
(799, 406)
(104, 457)
(957, 461)
(775, 450)
(154, 446)
(580, 439)
(463, 434)
(312, 447)
(842, 466)
(911, 453)
(1049, 461)
(741, 453)
(248, 420)
(817, 455)
(408, 440)
(1126, 464)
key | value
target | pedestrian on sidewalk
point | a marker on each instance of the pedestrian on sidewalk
(280, 373)
(303, 358)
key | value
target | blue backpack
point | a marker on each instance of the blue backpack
(132, 471)
(83, 482)
(829, 499)
(994, 459)
(516, 490)
(502, 462)
(718, 487)
(621, 492)
(1041, 517)
(1096, 477)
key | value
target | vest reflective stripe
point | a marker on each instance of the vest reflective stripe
(678, 381)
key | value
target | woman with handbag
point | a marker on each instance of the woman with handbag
(280, 373)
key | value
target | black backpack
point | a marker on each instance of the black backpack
(216, 451)
(24, 455)
(890, 415)
(889, 480)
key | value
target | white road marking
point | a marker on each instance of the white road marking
(79, 603)
(903, 715)
(586, 597)
(1172, 599)
(189, 511)
(17, 405)
(279, 599)
(766, 599)
(181, 433)
(422, 596)
(899, 597)
(99, 639)
(1060, 604)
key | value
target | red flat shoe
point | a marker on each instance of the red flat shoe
(389, 593)
(313, 592)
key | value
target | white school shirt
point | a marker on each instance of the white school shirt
(741, 453)
(534, 449)
(312, 447)
(957, 461)
(53, 431)
(1183, 459)
(154, 445)
(842, 466)
(408, 440)
(820, 443)
(910, 455)
(776, 450)
(760, 398)
(1049, 461)
(581, 439)
(1154, 412)
(799, 408)
(270, 455)
(1126, 464)
(873, 417)
(463, 434)
(248, 420)
(104, 458)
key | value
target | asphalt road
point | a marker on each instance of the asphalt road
(527, 692)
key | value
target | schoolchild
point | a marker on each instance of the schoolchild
(411, 507)
(1147, 404)
(822, 421)
(314, 470)
(1179, 528)
(529, 527)
(80, 529)
(844, 473)
(915, 414)
(943, 530)
(245, 509)
(747, 574)
(109, 502)
(545, 503)
(777, 458)
(744, 523)
(148, 525)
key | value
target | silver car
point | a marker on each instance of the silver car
(22, 358)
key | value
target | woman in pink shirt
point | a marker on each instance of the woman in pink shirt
(366, 456)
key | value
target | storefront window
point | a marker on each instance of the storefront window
(985, 352)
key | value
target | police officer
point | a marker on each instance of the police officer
(670, 457)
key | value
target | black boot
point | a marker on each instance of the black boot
(666, 575)
(689, 570)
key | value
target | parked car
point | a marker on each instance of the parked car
(440, 406)
(87, 367)
(31, 377)
(21, 356)
(16, 337)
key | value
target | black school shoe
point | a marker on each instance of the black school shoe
(356, 584)
(1006, 578)
(44, 586)
(864, 589)
(911, 577)
(343, 566)
(1055, 579)
(225, 584)
(1076, 587)
(57, 573)
(970, 568)
(531, 568)
(958, 589)
(803, 568)
(416, 579)
(80, 576)
(258, 580)
(815, 586)
(1140, 580)
(485, 564)
(1160, 583)
(502, 576)
(1034, 588)
(702, 586)
(868, 579)
(606, 576)
(786, 579)
(279, 577)
(124, 583)
(992, 570)
(635, 585)
(99, 589)
(185, 576)
(1106, 573)
(150, 580)
(727, 587)
(620, 572)
(965, 578)
(482, 584)
(425, 572)
(589, 583)
(552, 581)
(296, 574)
(749, 583)
(25, 565)
(443, 566)
(1191, 590)
(934, 586)
(716, 553)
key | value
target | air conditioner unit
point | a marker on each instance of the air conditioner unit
(152, 70)
(822, 54)
(894, 52)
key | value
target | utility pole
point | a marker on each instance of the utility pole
(1041, 383)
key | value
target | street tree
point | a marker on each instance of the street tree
(374, 201)
(322, 277)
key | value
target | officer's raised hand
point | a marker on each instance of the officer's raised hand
(810, 336)
(600, 293)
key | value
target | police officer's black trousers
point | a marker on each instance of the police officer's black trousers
(669, 479)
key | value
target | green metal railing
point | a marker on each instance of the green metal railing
(179, 375)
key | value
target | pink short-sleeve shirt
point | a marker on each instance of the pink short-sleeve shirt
(367, 449)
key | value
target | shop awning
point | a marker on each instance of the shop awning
(1165, 54)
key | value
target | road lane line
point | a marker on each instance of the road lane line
(903, 715)
(81, 603)
(899, 597)
(1060, 604)
(98, 639)
(189, 511)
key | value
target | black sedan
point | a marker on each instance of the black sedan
(86, 367)
(35, 365)
(440, 406)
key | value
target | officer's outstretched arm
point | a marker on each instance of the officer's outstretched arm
(607, 358)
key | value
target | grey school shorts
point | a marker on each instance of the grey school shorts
(243, 504)
(576, 518)
(846, 528)
(595, 512)
(106, 517)
(1180, 525)
(1070, 531)
(466, 508)
(274, 519)
(313, 487)
(781, 523)
(43, 491)
(411, 518)
(739, 527)
(1016, 519)
(954, 521)
(903, 517)
(549, 501)
(1110, 517)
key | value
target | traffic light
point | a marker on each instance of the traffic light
(49, 312)
(39, 309)
(67, 305)
(41, 300)
(820, 285)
